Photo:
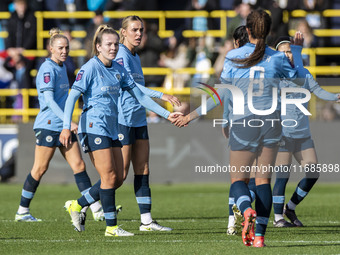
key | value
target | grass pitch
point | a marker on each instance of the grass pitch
(196, 212)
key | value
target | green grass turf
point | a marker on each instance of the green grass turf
(197, 212)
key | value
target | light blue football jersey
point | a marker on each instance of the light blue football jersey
(100, 87)
(131, 112)
(51, 77)
(302, 129)
(264, 76)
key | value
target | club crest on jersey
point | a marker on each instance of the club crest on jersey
(98, 140)
(120, 61)
(80, 75)
(118, 76)
(47, 77)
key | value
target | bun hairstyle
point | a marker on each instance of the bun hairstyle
(97, 38)
(241, 36)
(258, 24)
(125, 24)
(55, 33)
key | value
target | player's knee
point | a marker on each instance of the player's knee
(312, 171)
(78, 166)
(39, 171)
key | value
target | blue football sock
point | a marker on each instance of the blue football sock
(280, 188)
(230, 204)
(90, 196)
(252, 189)
(83, 182)
(263, 205)
(241, 195)
(107, 197)
(28, 191)
(143, 193)
(304, 186)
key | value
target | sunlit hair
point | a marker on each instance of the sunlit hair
(125, 23)
(258, 24)
(55, 33)
(241, 36)
(97, 38)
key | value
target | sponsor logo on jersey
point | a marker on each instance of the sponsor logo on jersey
(110, 89)
(49, 138)
(80, 75)
(97, 140)
(120, 137)
(120, 61)
(47, 77)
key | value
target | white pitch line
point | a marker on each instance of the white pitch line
(162, 241)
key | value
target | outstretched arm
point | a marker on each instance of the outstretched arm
(157, 94)
(148, 103)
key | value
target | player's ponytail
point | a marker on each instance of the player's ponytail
(55, 33)
(125, 24)
(97, 38)
(258, 24)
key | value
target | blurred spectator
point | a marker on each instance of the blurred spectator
(278, 28)
(96, 21)
(202, 23)
(203, 58)
(5, 75)
(242, 10)
(328, 113)
(222, 52)
(21, 28)
(72, 24)
(183, 108)
(96, 5)
(149, 53)
(175, 57)
(20, 67)
(310, 40)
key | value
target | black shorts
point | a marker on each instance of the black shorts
(50, 138)
(129, 135)
(91, 142)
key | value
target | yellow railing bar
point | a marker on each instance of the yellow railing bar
(5, 15)
(185, 14)
(3, 34)
(67, 15)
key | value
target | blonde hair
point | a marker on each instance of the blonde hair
(55, 33)
(125, 24)
(97, 38)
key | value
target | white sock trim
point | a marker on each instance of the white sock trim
(146, 218)
(23, 210)
(278, 217)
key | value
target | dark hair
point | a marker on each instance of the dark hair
(258, 24)
(282, 39)
(241, 36)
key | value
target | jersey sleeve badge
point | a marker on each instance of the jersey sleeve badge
(120, 61)
(47, 77)
(80, 75)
